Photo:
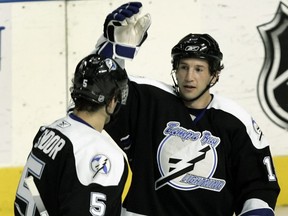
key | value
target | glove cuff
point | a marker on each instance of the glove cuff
(125, 51)
(114, 50)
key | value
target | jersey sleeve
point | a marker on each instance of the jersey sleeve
(254, 207)
(256, 186)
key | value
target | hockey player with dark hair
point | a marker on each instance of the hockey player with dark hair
(191, 152)
(76, 169)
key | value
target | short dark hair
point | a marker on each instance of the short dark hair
(82, 104)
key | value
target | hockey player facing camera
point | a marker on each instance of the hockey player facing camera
(76, 169)
(191, 152)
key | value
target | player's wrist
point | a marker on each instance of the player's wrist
(114, 50)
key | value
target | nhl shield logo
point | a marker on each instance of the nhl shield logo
(273, 79)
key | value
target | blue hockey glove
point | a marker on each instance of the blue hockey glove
(124, 32)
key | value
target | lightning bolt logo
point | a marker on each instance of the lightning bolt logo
(182, 167)
(187, 159)
(100, 164)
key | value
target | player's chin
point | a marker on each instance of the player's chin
(187, 96)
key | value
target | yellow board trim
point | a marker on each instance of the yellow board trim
(9, 181)
(10, 178)
(281, 164)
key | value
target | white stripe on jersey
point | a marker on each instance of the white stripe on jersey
(229, 106)
(87, 143)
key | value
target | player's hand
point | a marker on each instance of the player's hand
(124, 31)
(124, 26)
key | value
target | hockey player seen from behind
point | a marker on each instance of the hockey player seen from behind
(76, 169)
(191, 152)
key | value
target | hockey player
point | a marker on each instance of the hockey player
(191, 152)
(76, 169)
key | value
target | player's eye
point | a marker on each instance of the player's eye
(199, 69)
(183, 67)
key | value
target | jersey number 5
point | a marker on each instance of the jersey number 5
(97, 206)
(35, 167)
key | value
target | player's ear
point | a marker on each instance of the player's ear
(215, 78)
(111, 105)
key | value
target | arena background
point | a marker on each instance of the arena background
(42, 41)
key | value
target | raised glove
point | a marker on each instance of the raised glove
(124, 32)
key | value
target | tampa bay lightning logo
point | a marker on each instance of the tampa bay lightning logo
(110, 64)
(100, 164)
(273, 79)
(187, 159)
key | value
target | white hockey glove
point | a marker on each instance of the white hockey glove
(124, 32)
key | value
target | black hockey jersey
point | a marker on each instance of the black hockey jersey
(208, 163)
(77, 170)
